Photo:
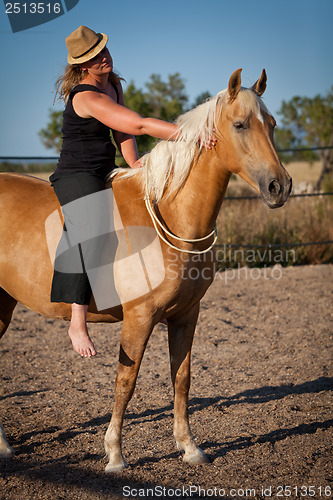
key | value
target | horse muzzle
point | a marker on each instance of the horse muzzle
(275, 191)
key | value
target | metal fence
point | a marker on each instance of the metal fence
(230, 245)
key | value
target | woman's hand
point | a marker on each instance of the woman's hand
(211, 141)
(139, 163)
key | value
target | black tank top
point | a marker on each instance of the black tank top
(86, 143)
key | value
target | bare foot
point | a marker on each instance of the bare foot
(82, 343)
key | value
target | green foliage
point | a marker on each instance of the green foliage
(136, 100)
(308, 122)
(51, 134)
(168, 99)
(327, 183)
(201, 99)
(311, 119)
(285, 141)
(159, 99)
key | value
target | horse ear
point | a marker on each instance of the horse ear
(260, 85)
(234, 84)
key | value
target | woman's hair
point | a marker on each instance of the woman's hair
(73, 75)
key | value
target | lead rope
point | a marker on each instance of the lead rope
(156, 222)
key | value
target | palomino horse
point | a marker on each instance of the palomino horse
(178, 194)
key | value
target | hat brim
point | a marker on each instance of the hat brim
(91, 54)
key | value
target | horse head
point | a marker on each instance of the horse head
(246, 128)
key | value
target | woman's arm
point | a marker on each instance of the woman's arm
(127, 146)
(117, 117)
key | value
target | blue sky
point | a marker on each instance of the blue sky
(203, 41)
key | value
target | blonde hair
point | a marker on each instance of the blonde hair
(73, 75)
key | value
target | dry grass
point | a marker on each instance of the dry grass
(300, 171)
(301, 220)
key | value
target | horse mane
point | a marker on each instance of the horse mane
(169, 162)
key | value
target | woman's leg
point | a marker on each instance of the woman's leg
(70, 284)
(78, 332)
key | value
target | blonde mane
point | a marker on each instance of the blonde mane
(169, 162)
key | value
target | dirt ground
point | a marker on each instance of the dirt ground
(260, 400)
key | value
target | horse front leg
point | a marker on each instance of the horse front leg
(180, 343)
(134, 338)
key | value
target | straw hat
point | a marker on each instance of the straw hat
(84, 44)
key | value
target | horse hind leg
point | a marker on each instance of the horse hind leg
(180, 335)
(7, 305)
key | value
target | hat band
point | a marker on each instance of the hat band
(100, 38)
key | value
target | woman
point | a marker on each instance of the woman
(95, 104)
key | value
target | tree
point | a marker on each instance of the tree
(159, 99)
(136, 100)
(201, 99)
(308, 122)
(51, 134)
(168, 99)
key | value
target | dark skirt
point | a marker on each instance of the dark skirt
(77, 246)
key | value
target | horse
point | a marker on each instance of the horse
(171, 204)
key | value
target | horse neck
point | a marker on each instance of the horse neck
(195, 207)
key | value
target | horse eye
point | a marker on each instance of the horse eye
(239, 126)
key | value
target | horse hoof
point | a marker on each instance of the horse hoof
(6, 452)
(111, 468)
(197, 458)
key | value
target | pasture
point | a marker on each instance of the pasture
(260, 400)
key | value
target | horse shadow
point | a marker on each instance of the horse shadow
(263, 394)
(58, 477)
(22, 393)
(259, 396)
(270, 437)
(253, 396)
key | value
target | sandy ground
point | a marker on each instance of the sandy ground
(260, 400)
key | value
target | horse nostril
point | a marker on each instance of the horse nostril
(274, 187)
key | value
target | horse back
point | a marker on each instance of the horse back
(25, 264)
(24, 198)
(30, 226)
